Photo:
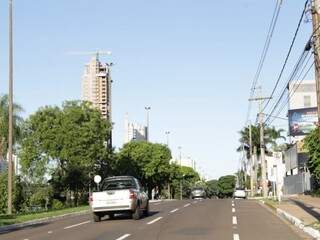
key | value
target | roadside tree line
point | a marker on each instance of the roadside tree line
(60, 149)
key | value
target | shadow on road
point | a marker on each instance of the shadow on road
(309, 209)
(126, 216)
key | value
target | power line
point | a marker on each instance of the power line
(297, 66)
(288, 55)
(266, 46)
(290, 94)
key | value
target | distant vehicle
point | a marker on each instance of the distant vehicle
(198, 192)
(120, 194)
(240, 193)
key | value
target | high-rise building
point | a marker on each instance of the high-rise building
(134, 131)
(96, 88)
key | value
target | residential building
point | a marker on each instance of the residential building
(302, 118)
(134, 131)
(96, 86)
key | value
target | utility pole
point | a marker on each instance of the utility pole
(10, 135)
(315, 10)
(262, 146)
(180, 167)
(251, 162)
(148, 124)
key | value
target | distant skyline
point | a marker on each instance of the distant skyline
(191, 61)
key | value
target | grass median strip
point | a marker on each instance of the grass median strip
(20, 218)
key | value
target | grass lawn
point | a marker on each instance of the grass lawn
(271, 203)
(11, 219)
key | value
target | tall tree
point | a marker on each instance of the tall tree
(312, 145)
(71, 141)
(150, 162)
(4, 124)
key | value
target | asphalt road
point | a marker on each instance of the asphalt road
(173, 220)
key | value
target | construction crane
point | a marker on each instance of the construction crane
(108, 85)
(92, 53)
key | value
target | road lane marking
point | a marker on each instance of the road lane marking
(233, 210)
(236, 237)
(76, 225)
(124, 236)
(187, 205)
(174, 210)
(234, 220)
(232, 204)
(49, 232)
(154, 220)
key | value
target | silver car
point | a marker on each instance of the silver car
(198, 192)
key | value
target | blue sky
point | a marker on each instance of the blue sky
(191, 61)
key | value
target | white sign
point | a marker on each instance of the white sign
(97, 179)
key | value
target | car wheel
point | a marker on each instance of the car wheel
(136, 213)
(96, 217)
(146, 211)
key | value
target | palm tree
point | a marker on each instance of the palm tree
(271, 136)
(4, 124)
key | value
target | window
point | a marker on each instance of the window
(307, 101)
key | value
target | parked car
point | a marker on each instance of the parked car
(120, 194)
(240, 193)
(198, 192)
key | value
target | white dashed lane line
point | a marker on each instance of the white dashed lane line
(76, 225)
(233, 210)
(124, 236)
(236, 237)
(154, 220)
(49, 232)
(187, 205)
(234, 220)
(174, 210)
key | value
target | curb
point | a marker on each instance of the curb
(17, 226)
(296, 222)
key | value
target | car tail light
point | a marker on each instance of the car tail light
(132, 194)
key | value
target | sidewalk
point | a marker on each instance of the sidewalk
(302, 211)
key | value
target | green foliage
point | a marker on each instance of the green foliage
(56, 204)
(68, 142)
(212, 188)
(19, 196)
(312, 145)
(150, 162)
(271, 136)
(226, 185)
(4, 127)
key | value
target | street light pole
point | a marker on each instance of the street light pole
(148, 124)
(167, 136)
(10, 135)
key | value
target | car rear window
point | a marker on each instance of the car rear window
(197, 189)
(117, 184)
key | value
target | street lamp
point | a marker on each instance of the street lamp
(148, 126)
(167, 136)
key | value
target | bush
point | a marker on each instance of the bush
(56, 204)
